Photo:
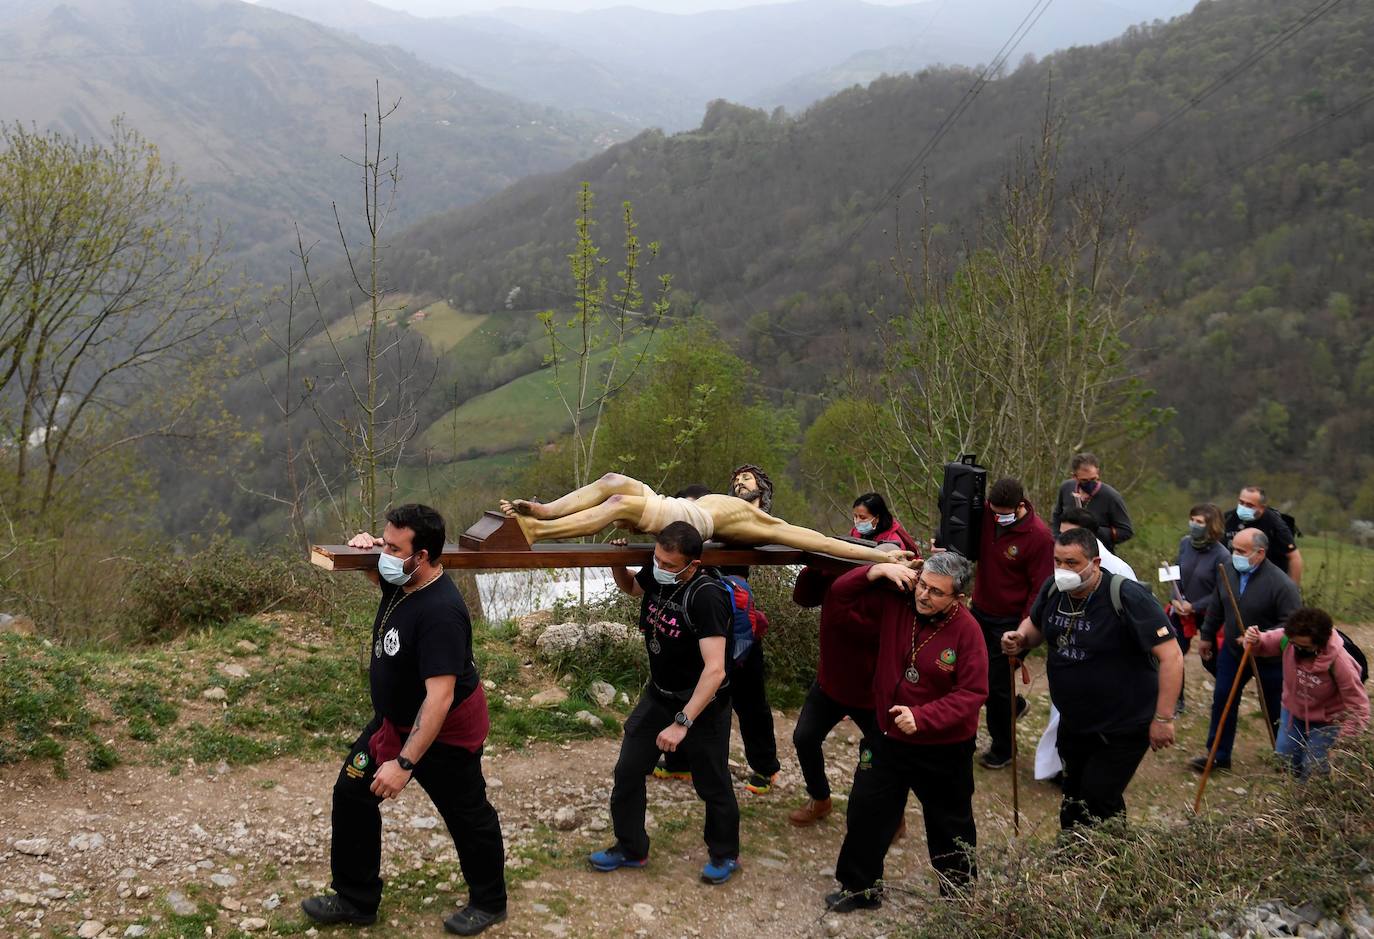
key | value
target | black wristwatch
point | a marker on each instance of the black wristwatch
(405, 764)
(681, 718)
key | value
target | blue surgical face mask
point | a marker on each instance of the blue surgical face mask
(1007, 519)
(864, 528)
(1245, 513)
(1241, 563)
(665, 577)
(393, 569)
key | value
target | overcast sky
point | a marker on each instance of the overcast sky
(1148, 9)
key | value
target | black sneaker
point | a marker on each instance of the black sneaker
(1022, 706)
(329, 909)
(841, 901)
(469, 921)
(991, 760)
(1199, 764)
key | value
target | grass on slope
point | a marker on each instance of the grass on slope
(516, 415)
(441, 325)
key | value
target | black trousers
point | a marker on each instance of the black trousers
(749, 698)
(707, 748)
(999, 680)
(452, 778)
(819, 715)
(1097, 770)
(941, 775)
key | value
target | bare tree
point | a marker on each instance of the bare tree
(1017, 355)
(369, 409)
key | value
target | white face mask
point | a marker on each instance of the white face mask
(863, 528)
(1007, 519)
(665, 577)
(393, 569)
(1067, 581)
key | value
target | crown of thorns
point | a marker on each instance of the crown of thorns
(765, 485)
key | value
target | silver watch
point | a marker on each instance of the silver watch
(681, 718)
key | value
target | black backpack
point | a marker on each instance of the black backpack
(1357, 654)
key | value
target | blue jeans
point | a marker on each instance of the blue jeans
(1228, 664)
(1303, 745)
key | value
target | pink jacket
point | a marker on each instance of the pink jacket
(1325, 689)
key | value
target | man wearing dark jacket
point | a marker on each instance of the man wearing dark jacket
(930, 681)
(1267, 597)
(1252, 511)
(1086, 490)
(1016, 556)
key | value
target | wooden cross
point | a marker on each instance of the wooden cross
(496, 542)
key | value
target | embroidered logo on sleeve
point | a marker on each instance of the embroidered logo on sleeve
(1162, 631)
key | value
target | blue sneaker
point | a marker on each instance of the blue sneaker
(614, 858)
(719, 869)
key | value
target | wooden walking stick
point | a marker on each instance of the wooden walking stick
(1216, 739)
(1254, 665)
(1015, 664)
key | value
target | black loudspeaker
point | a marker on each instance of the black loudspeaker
(961, 506)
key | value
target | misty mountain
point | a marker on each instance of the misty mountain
(515, 61)
(259, 110)
(661, 69)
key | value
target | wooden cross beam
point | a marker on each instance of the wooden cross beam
(496, 542)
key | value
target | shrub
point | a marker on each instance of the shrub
(223, 581)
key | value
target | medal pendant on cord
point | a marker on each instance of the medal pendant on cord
(654, 647)
(912, 675)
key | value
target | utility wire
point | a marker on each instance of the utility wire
(1305, 132)
(894, 191)
(1226, 77)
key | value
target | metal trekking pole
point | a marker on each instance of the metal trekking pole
(1216, 739)
(1254, 665)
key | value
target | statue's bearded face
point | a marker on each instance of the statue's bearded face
(746, 486)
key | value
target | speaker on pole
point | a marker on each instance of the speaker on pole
(961, 505)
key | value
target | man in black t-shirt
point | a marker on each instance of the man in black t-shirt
(1114, 670)
(1252, 511)
(429, 722)
(686, 618)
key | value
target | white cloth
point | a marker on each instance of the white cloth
(1047, 762)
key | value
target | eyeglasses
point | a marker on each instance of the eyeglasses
(936, 592)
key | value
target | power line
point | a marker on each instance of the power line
(1027, 23)
(1226, 77)
(1306, 131)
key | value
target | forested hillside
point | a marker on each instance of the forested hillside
(1241, 134)
(261, 111)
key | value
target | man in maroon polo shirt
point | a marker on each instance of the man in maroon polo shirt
(929, 682)
(1016, 556)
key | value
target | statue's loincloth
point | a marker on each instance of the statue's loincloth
(662, 511)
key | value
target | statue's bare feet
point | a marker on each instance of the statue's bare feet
(514, 508)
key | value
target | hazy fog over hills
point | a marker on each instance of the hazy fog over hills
(660, 68)
(258, 109)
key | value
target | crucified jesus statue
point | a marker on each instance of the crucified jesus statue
(628, 503)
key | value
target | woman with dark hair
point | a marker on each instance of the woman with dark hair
(1323, 698)
(873, 521)
(1199, 553)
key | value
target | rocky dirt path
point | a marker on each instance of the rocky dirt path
(215, 851)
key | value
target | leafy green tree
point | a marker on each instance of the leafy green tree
(108, 291)
(694, 414)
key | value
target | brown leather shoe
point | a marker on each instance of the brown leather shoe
(809, 814)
